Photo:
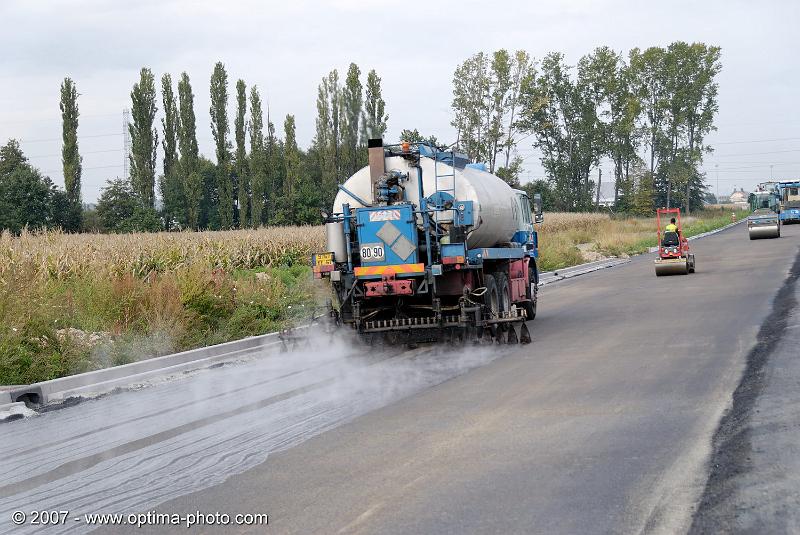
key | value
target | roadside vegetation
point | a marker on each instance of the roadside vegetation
(567, 239)
(71, 303)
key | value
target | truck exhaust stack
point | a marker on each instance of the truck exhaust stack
(377, 162)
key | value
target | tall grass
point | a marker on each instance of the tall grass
(55, 255)
(142, 295)
(561, 233)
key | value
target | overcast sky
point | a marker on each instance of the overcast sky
(286, 47)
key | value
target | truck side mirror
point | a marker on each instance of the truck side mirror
(537, 208)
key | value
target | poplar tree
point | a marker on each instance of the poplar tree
(144, 138)
(352, 101)
(258, 162)
(328, 139)
(242, 171)
(170, 184)
(220, 129)
(292, 162)
(187, 141)
(375, 117)
(70, 157)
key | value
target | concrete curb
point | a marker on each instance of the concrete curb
(107, 379)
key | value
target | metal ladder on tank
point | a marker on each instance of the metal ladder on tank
(439, 178)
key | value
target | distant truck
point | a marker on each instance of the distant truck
(789, 201)
(765, 219)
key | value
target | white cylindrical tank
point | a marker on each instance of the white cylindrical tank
(335, 240)
(495, 206)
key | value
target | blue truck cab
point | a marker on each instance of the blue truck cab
(789, 201)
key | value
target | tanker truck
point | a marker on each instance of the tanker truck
(423, 245)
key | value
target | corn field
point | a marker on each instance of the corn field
(54, 255)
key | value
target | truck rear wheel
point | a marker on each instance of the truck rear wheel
(492, 301)
(503, 292)
(531, 293)
(504, 295)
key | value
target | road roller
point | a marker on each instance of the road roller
(765, 221)
(674, 257)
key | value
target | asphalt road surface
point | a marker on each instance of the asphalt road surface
(606, 423)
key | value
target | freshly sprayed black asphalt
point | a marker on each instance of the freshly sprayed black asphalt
(731, 464)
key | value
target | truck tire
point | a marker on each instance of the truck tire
(492, 301)
(503, 291)
(504, 296)
(532, 294)
(491, 298)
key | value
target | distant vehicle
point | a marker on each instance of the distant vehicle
(674, 256)
(790, 201)
(765, 220)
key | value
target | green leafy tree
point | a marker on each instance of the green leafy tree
(521, 69)
(25, 195)
(220, 129)
(562, 114)
(414, 136)
(70, 157)
(11, 157)
(276, 171)
(288, 202)
(510, 173)
(623, 136)
(375, 117)
(649, 75)
(642, 184)
(486, 98)
(328, 139)
(187, 140)
(699, 65)
(258, 158)
(470, 105)
(543, 188)
(144, 138)
(119, 209)
(242, 171)
(209, 201)
(174, 211)
(354, 153)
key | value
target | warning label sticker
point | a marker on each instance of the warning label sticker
(385, 215)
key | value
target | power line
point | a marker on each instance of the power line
(755, 153)
(81, 153)
(59, 139)
(755, 171)
(756, 141)
(53, 119)
(85, 168)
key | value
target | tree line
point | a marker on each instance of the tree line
(648, 113)
(257, 178)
